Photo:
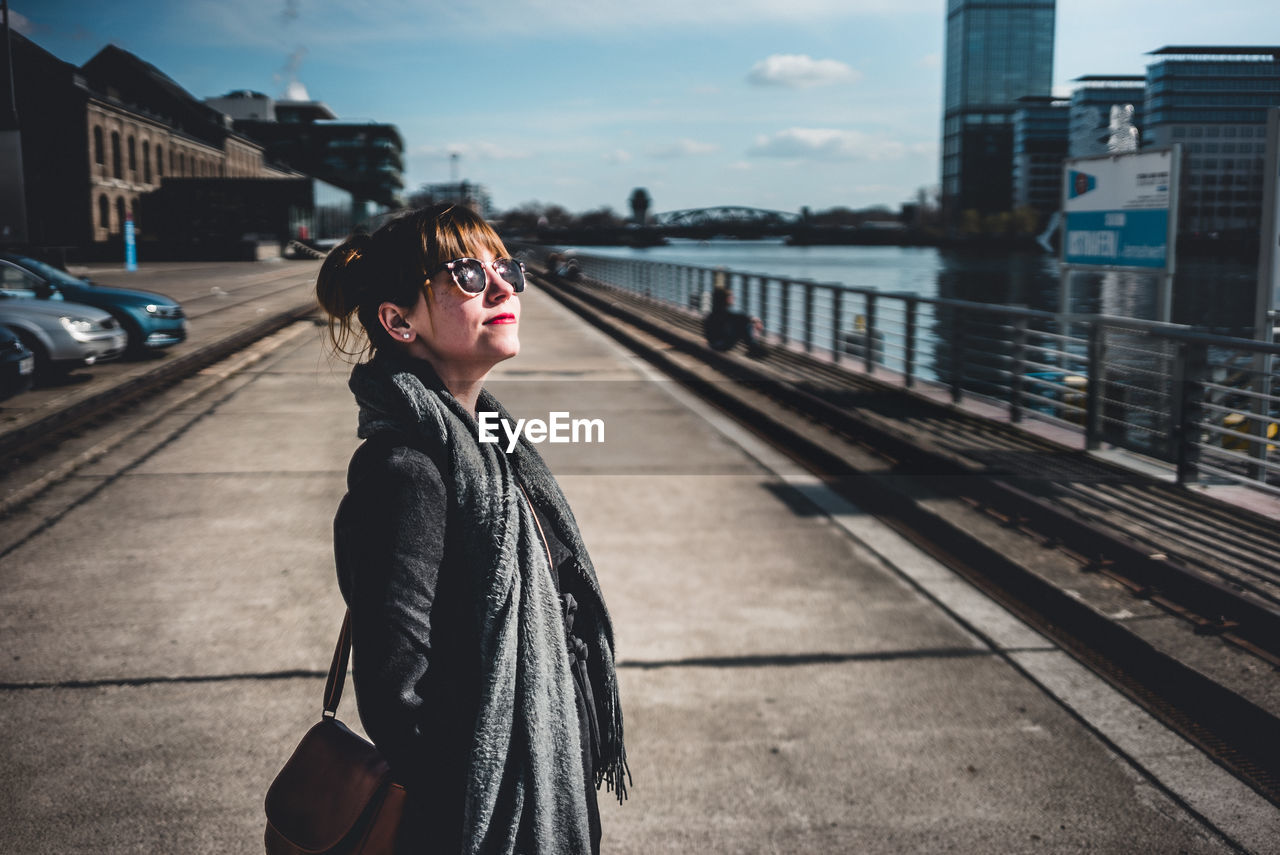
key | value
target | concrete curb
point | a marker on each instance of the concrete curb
(170, 371)
(256, 352)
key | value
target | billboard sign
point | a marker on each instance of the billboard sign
(1120, 210)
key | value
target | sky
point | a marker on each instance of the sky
(773, 104)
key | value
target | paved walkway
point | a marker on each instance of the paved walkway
(794, 678)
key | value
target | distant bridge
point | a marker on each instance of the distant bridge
(727, 217)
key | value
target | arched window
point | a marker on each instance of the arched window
(146, 162)
(159, 162)
(182, 164)
(115, 155)
(99, 155)
(104, 212)
(133, 155)
(120, 214)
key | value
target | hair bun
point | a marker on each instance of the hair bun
(342, 276)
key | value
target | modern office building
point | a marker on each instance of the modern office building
(364, 158)
(997, 51)
(1040, 127)
(245, 104)
(469, 193)
(1213, 100)
(1106, 114)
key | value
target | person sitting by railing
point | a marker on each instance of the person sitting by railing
(724, 328)
(563, 266)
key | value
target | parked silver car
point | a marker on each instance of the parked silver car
(63, 335)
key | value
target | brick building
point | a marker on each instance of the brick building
(97, 137)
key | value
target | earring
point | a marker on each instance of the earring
(406, 335)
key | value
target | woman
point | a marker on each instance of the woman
(482, 650)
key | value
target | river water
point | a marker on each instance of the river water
(1216, 295)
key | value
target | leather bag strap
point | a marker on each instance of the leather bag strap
(338, 670)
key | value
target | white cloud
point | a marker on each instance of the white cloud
(617, 157)
(472, 150)
(827, 144)
(798, 71)
(682, 148)
(930, 60)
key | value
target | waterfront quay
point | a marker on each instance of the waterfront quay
(796, 675)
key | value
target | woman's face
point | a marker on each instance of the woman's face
(464, 335)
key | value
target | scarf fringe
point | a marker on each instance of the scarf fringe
(616, 777)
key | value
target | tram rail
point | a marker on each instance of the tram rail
(21, 445)
(1123, 536)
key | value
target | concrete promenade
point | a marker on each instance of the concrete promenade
(795, 679)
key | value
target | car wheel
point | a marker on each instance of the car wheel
(135, 349)
(46, 369)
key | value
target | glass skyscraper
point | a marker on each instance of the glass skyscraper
(1040, 126)
(1213, 100)
(997, 52)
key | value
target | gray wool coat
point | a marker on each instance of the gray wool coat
(415, 660)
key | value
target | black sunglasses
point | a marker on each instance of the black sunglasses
(468, 273)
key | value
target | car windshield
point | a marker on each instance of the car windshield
(48, 271)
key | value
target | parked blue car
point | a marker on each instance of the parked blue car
(153, 321)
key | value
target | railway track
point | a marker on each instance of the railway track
(1091, 554)
(1186, 527)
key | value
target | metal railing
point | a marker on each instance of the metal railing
(1206, 403)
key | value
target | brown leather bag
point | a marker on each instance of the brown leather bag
(335, 795)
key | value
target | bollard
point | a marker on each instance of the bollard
(130, 242)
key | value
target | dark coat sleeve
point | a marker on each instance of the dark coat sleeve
(389, 538)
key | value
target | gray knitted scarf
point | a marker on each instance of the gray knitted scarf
(525, 786)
